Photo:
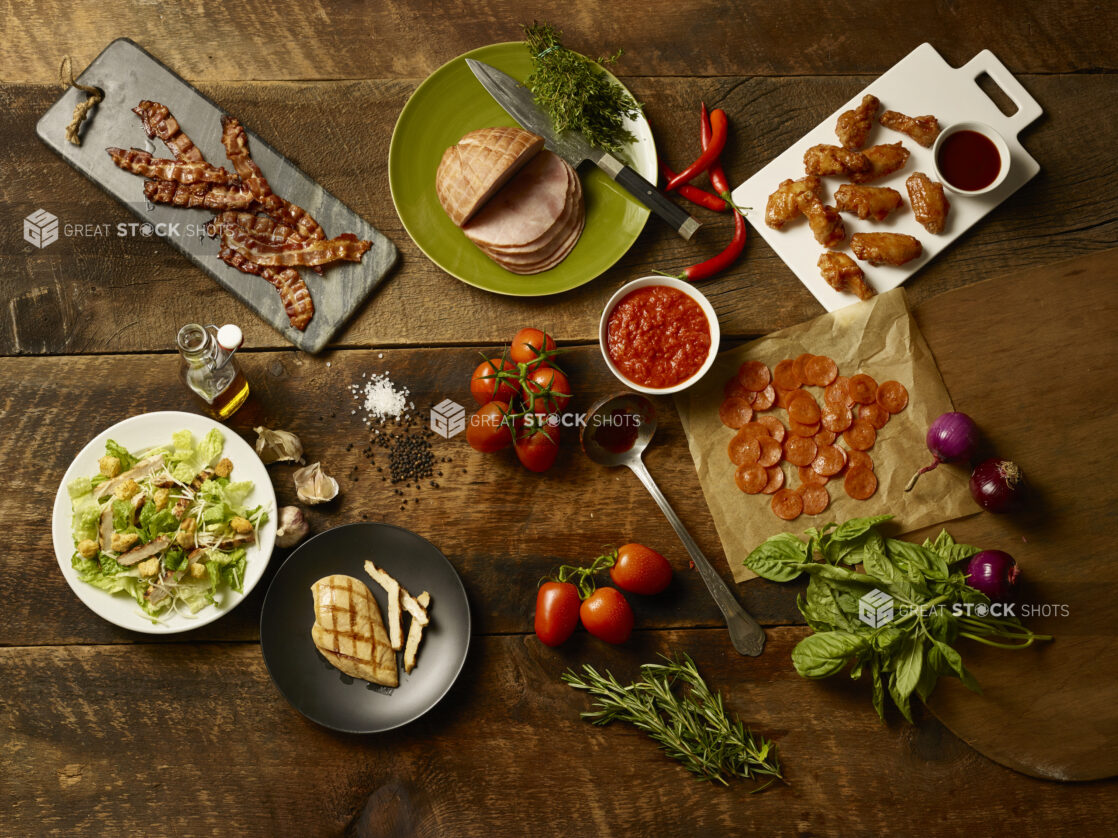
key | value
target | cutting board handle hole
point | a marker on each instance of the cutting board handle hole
(998, 96)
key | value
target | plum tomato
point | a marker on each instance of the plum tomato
(557, 606)
(640, 570)
(489, 429)
(607, 615)
(537, 440)
(527, 345)
(486, 387)
(544, 378)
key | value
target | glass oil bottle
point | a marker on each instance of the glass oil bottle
(209, 369)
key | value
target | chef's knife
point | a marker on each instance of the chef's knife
(517, 101)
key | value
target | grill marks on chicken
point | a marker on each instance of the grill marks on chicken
(262, 233)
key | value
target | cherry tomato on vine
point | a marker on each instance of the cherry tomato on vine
(537, 441)
(486, 387)
(557, 606)
(607, 615)
(544, 378)
(640, 570)
(528, 344)
(488, 429)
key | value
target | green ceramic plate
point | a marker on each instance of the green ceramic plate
(450, 103)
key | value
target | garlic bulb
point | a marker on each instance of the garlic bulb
(278, 446)
(292, 527)
(313, 485)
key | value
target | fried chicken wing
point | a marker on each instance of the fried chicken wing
(883, 160)
(783, 204)
(867, 202)
(841, 273)
(834, 160)
(826, 225)
(885, 248)
(923, 129)
(854, 125)
(929, 204)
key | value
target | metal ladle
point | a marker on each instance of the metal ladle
(745, 633)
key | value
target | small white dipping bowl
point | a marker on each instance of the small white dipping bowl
(668, 282)
(986, 131)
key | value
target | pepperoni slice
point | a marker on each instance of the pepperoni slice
(829, 460)
(810, 477)
(796, 429)
(863, 389)
(754, 429)
(837, 419)
(801, 362)
(804, 410)
(892, 396)
(787, 505)
(734, 390)
(825, 437)
(874, 414)
(858, 459)
(735, 412)
(765, 398)
(775, 426)
(754, 376)
(837, 392)
(776, 480)
(786, 376)
(861, 436)
(770, 451)
(751, 478)
(743, 449)
(785, 397)
(799, 450)
(820, 370)
(815, 498)
(860, 483)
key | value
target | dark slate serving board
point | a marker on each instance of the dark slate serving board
(128, 74)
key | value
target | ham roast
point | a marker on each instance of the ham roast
(480, 164)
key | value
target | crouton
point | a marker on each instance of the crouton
(241, 525)
(123, 541)
(224, 467)
(88, 549)
(110, 466)
(149, 567)
(197, 570)
(126, 489)
(161, 497)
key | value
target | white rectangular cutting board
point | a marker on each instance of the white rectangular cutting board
(921, 83)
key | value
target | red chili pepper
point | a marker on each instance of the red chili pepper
(723, 260)
(694, 194)
(719, 129)
(717, 175)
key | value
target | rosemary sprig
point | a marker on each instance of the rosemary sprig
(576, 93)
(690, 724)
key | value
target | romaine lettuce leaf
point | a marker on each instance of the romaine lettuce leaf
(114, 449)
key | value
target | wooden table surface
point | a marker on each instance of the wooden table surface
(107, 732)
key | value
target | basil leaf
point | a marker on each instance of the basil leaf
(878, 564)
(823, 606)
(878, 689)
(857, 527)
(825, 653)
(854, 551)
(942, 625)
(927, 563)
(954, 662)
(945, 546)
(779, 559)
(929, 676)
(907, 666)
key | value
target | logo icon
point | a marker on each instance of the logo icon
(448, 418)
(875, 608)
(40, 228)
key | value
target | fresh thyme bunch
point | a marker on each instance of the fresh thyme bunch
(576, 93)
(691, 725)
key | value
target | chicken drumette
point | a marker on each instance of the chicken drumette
(929, 204)
(923, 129)
(854, 125)
(885, 248)
(840, 272)
(834, 160)
(825, 223)
(883, 160)
(866, 202)
(784, 203)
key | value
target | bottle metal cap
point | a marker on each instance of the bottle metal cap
(230, 337)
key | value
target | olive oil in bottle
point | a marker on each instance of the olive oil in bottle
(209, 369)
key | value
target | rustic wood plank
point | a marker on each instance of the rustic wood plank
(338, 40)
(114, 740)
(89, 296)
(502, 526)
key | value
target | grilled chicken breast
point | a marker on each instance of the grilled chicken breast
(349, 631)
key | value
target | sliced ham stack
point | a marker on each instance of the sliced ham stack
(522, 208)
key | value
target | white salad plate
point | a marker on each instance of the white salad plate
(137, 434)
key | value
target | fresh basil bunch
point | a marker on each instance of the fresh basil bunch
(931, 604)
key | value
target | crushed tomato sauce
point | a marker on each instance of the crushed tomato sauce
(657, 336)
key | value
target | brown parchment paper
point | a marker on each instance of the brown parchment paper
(877, 337)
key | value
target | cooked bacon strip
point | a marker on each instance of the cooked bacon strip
(213, 196)
(158, 122)
(263, 252)
(259, 225)
(235, 140)
(293, 291)
(140, 162)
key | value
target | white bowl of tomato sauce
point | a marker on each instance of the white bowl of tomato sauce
(658, 335)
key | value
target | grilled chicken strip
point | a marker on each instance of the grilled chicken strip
(142, 469)
(144, 551)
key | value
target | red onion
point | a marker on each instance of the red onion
(996, 485)
(994, 573)
(953, 436)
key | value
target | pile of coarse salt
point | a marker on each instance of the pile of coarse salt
(381, 400)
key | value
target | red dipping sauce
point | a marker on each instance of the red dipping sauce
(969, 160)
(657, 336)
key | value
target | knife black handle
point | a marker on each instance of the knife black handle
(650, 196)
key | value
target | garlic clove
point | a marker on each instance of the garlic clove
(278, 446)
(292, 527)
(313, 485)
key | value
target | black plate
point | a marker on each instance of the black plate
(324, 694)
